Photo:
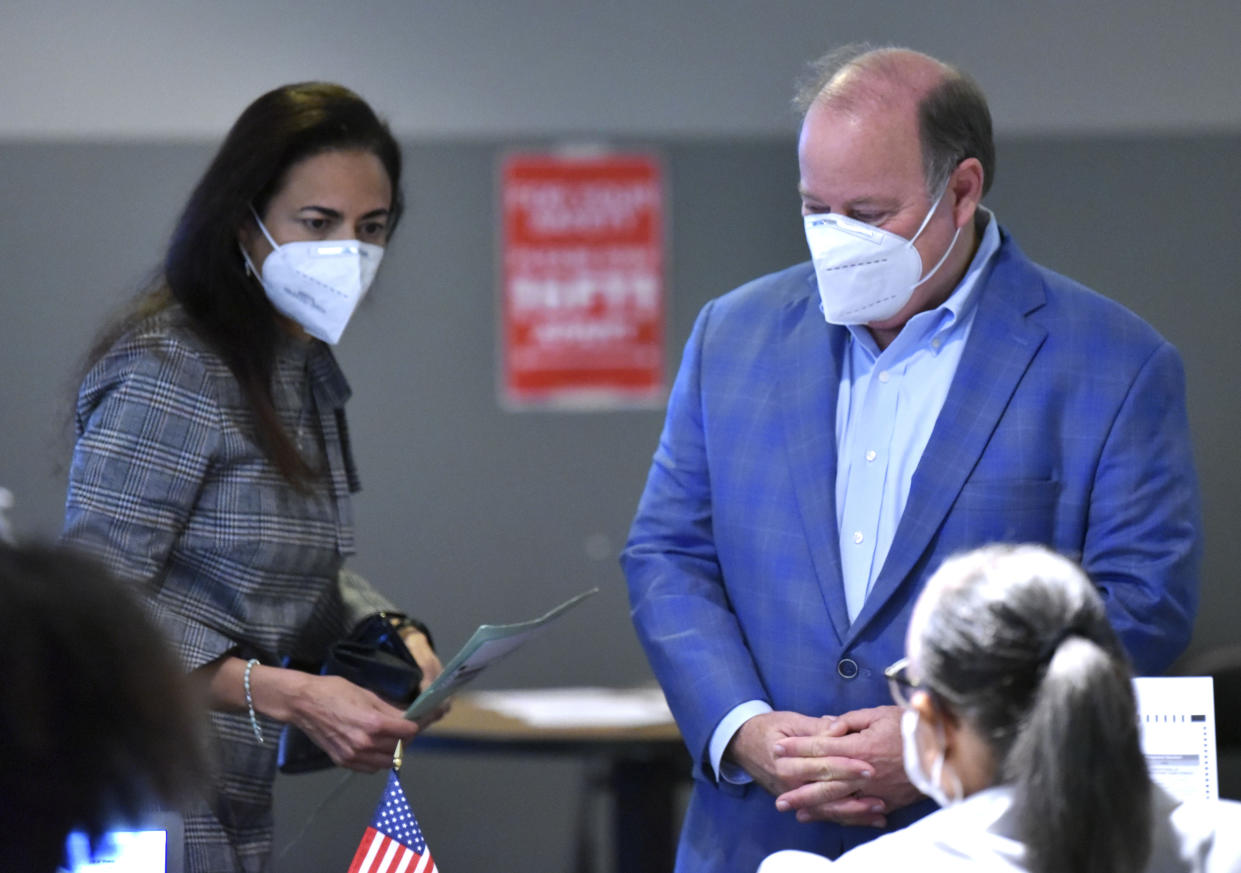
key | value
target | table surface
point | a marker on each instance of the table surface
(645, 764)
(468, 722)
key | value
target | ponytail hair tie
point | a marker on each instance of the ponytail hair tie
(1049, 648)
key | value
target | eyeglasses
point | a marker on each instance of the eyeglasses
(900, 685)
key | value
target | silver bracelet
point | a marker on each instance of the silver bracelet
(254, 722)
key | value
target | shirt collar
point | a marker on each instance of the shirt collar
(962, 299)
(984, 810)
(953, 313)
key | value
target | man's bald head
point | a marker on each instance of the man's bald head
(953, 120)
(855, 78)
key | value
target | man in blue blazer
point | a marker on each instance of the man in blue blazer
(838, 428)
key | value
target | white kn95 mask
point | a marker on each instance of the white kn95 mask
(317, 283)
(865, 273)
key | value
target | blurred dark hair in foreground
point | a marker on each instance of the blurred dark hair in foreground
(97, 721)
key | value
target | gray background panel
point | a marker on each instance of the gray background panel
(470, 513)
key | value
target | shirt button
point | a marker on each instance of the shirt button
(857, 536)
(846, 668)
(937, 342)
(884, 377)
(870, 455)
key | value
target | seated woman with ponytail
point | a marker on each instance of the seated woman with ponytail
(1020, 721)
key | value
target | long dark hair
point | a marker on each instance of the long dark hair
(1015, 641)
(204, 270)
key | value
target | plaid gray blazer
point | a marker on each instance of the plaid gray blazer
(169, 486)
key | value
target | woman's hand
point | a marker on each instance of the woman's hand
(356, 727)
(420, 647)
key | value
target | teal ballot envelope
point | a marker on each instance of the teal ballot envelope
(489, 644)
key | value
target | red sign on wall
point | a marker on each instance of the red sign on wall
(582, 280)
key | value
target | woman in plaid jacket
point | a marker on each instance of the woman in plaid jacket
(213, 466)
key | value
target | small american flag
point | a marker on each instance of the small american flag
(393, 843)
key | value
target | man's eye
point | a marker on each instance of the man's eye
(374, 229)
(873, 218)
(315, 224)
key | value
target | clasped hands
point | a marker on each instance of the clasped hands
(846, 769)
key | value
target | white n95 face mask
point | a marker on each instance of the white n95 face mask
(319, 283)
(865, 273)
(930, 785)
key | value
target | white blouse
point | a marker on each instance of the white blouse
(1190, 837)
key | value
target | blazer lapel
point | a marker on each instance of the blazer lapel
(809, 383)
(1001, 345)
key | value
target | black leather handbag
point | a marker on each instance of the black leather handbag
(375, 657)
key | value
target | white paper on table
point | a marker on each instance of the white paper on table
(580, 707)
(1177, 718)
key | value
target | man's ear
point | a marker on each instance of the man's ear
(966, 183)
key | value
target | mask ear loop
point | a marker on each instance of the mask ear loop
(921, 227)
(941, 755)
(276, 245)
(250, 268)
(937, 769)
(245, 256)
(951, 245)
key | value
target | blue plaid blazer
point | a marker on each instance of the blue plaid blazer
(1065, 425)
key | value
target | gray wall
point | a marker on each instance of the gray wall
(473, 514)
(505, 68)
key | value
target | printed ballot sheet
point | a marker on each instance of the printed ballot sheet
(1177, 718)
(489, 644)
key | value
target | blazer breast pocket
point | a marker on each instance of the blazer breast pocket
(1004, 510)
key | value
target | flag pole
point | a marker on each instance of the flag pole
(396, 757)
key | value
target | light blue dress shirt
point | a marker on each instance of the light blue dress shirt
(888, 404)
(886, 409)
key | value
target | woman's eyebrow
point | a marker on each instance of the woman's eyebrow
(328, 212)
